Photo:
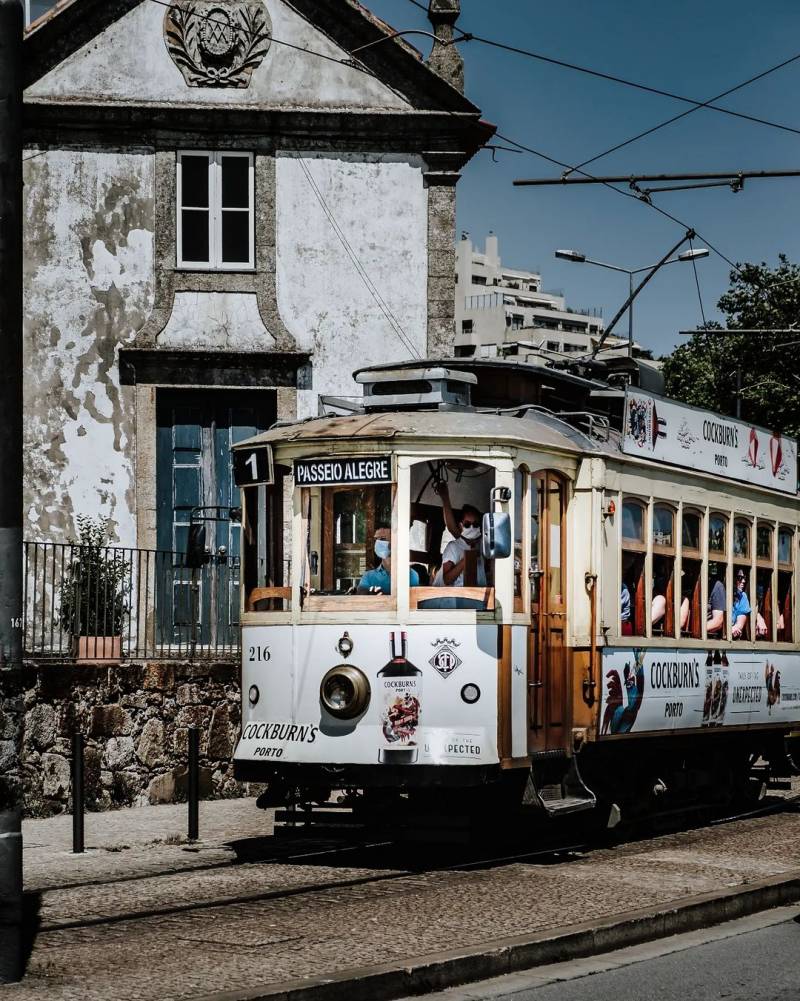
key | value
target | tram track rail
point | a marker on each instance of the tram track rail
(556, 852)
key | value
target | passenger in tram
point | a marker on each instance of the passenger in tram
(762, 630)
(379, 580)
(625, 610)
(658, 606)
(462, 552)
(741, 606)
(717, 602)
(450, 521)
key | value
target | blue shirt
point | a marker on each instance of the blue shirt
(741, 605)
(380, 578)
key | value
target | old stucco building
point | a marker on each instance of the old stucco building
(228, 208)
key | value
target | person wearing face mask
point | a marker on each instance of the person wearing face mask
(463, 550)
(379, 580)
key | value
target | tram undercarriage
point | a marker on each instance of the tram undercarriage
(619, 783)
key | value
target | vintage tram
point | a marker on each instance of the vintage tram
(573, 658)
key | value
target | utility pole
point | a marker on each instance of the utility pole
(11, 34)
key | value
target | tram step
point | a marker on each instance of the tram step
(555, 785)
(779, 784)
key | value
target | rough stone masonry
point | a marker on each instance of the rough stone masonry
(135, 719)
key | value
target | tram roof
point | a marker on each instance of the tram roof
(524, 427)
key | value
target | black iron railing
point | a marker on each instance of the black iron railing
(108, 603)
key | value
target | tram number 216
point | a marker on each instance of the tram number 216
(258, 654)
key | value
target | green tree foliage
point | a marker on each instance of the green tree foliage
(703, 371)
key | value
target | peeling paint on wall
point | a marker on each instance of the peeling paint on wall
(225, 321)
(88, 289)
(380, 205)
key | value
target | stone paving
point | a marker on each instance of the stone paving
(242, 910)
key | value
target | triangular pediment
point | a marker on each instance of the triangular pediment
(246, 54)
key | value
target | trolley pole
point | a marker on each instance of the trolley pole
(11, 32)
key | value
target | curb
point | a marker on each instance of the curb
(441, 970)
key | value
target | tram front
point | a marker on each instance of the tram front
(376, 592)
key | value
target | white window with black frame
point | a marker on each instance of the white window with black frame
(215, 211)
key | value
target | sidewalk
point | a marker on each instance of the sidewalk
(243, 912)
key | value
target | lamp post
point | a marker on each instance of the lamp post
(688, 255)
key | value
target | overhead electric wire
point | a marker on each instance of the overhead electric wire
(690, 111)
(468, 36)
(394, 323)
(627, 194)
(697, 105)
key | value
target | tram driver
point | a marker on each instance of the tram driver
(462, 560)
(379, 580)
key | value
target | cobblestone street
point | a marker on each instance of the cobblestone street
(145, 915)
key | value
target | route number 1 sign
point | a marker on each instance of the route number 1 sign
(252, 466)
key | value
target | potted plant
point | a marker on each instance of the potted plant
(93, 605)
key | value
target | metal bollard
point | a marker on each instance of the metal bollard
(11, 964)
(77, 793)
(194, 783)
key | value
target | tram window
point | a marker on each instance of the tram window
(662, 602)
(520, 480)
(691, 598)
(535, 484)
(690, 534)
(717, 530)
(741, 612)
(785, 623)
(555, 507)
(264, 558)
(741, 539)
(764, 543)
(632, 587)
(717, 606)
(765, 619)
(691, 623)
(632, 521)
(442, 491)
(340, 526)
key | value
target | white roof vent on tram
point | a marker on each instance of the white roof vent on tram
(422, 388)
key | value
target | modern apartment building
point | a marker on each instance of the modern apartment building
(502, 311)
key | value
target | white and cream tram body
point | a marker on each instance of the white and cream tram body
(580, 663)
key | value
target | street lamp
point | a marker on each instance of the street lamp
(577, 257)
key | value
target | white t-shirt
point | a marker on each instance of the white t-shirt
(454, 552)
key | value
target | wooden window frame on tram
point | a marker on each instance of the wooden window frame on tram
(781, 595)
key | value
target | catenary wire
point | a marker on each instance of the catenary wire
(361, 271)
(570, 169)
(626, 194)
(697, 105)
(467, 36)
(689, 111)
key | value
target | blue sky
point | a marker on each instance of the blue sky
(697, 49)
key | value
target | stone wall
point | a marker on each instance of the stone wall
(136, 719)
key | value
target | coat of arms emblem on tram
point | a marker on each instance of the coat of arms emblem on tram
(445, 660)
(217, 43)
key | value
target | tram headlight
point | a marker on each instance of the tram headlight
(253, 694)
(345, 691)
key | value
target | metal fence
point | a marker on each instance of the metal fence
(107, 603)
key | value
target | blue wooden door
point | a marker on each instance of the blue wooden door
(195, 432)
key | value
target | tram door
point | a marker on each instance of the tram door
(547, 659)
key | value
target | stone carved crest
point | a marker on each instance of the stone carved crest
(217, 43)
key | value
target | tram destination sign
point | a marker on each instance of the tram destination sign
(666, 431)
(343, 470)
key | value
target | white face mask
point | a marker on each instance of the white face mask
(471, 533)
